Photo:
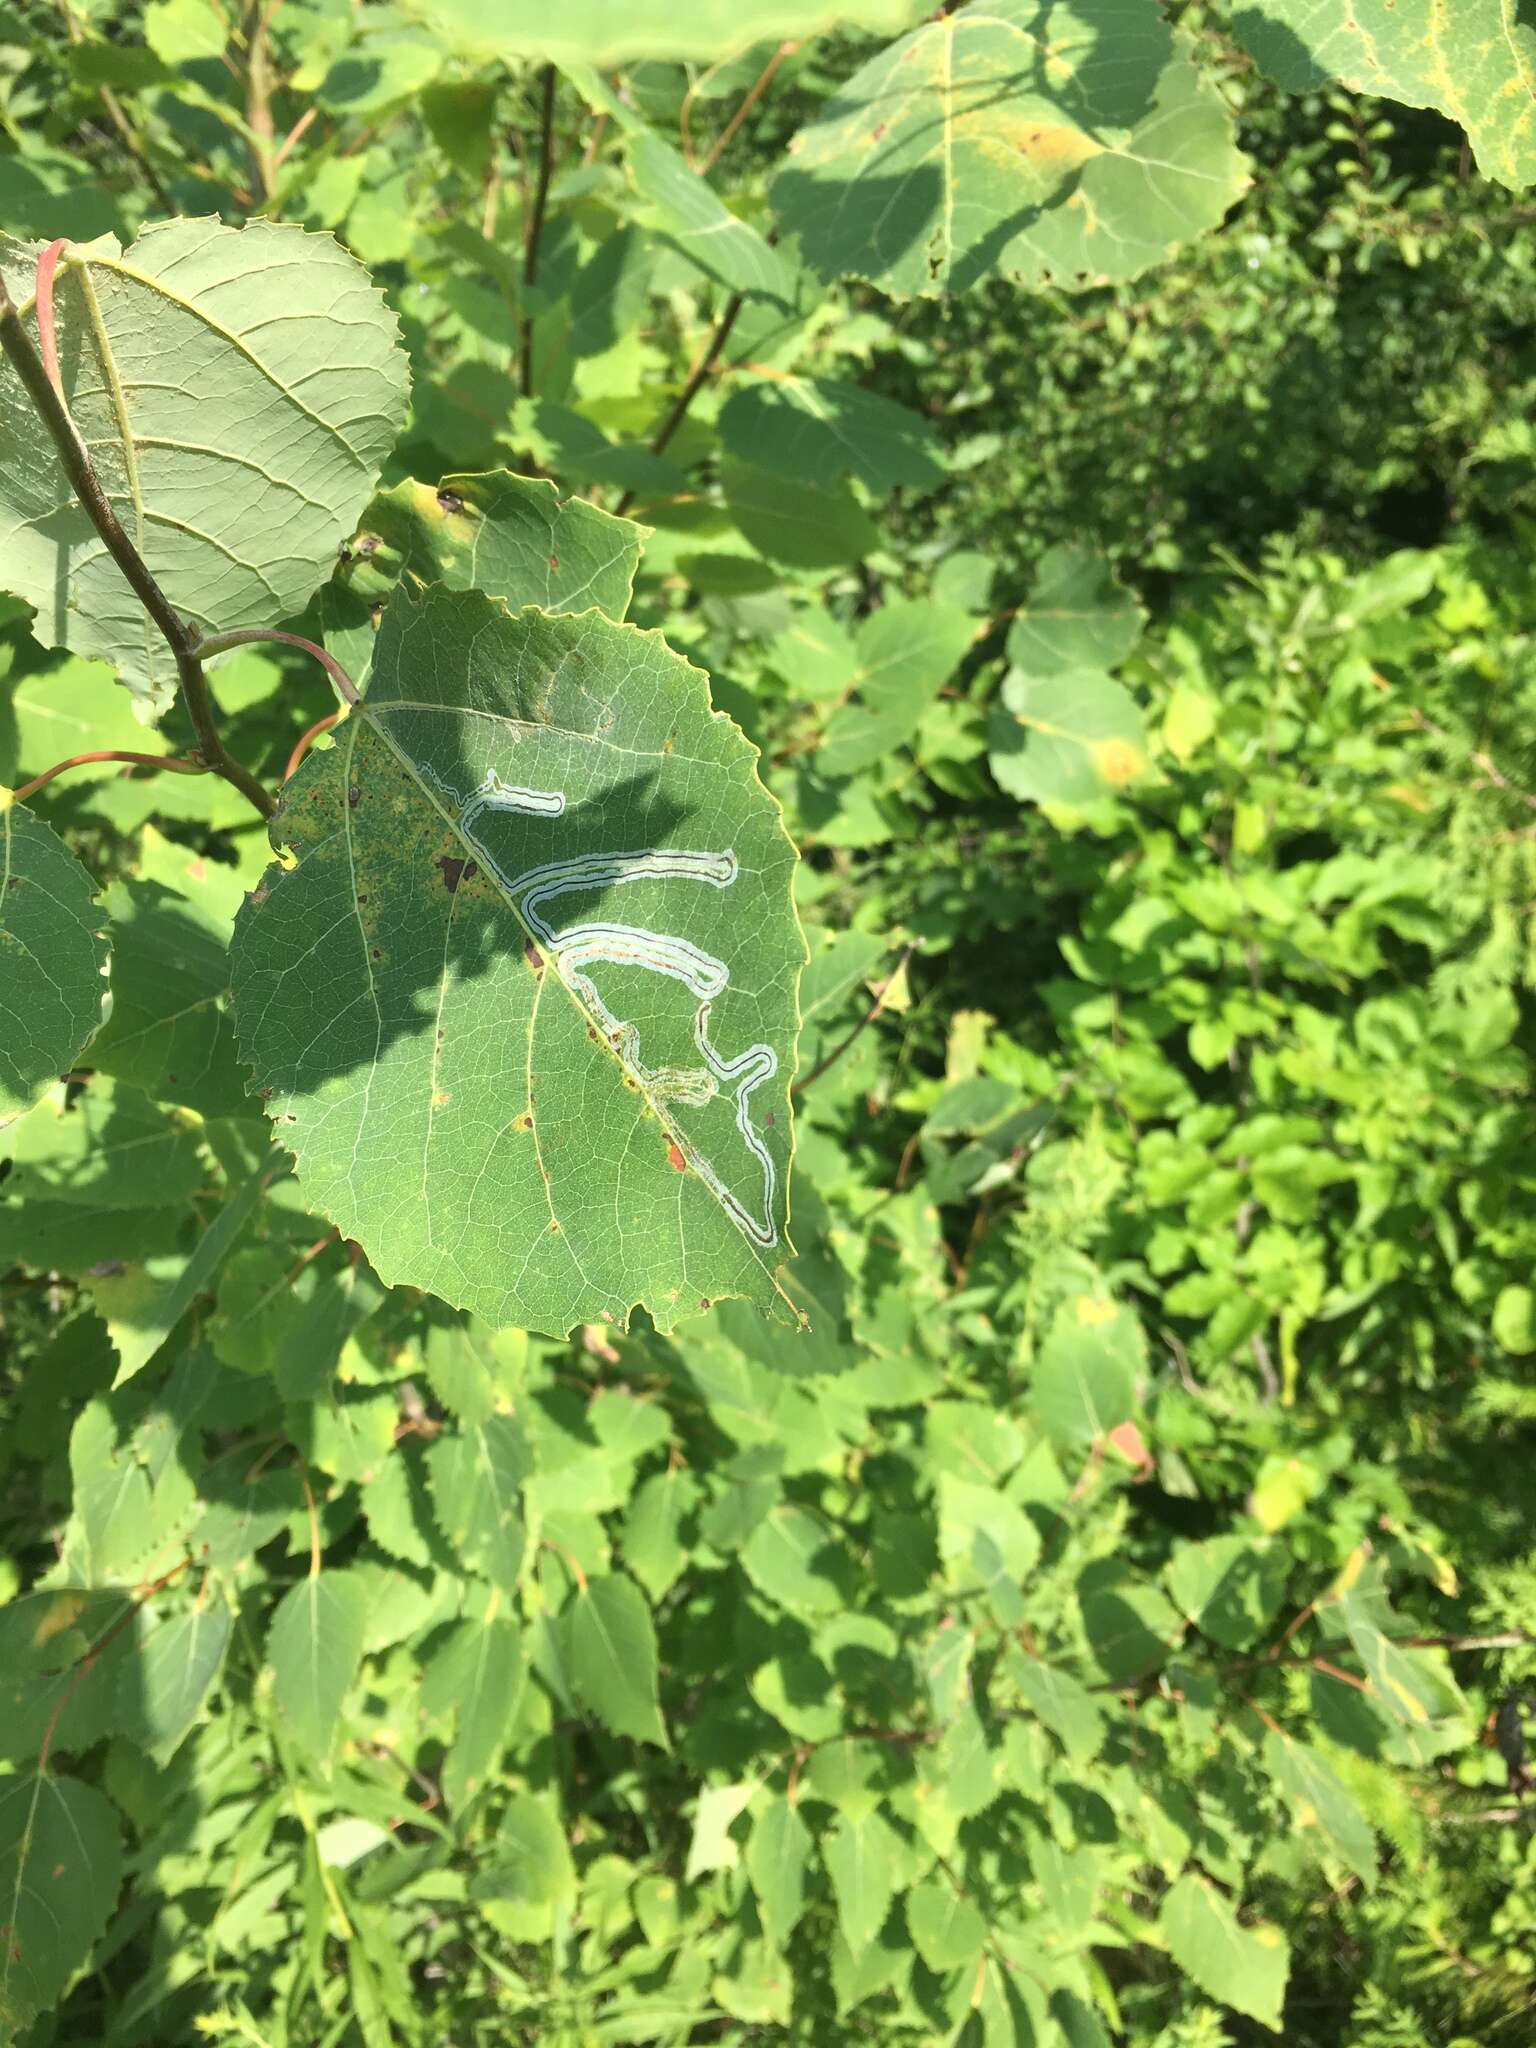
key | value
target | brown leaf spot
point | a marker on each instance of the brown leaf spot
(533, 956)
(554, 561)
(354, 797)
(450, 501)
(675, 1156)
(453, 871)
(703, 1301)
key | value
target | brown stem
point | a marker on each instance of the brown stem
(690, 391)
(294, 135)
(247, 636)
(863, 1024)
(170, 762)
(535, 226)
(754, 93)
(258, 100)
(306, 741)
(179, 634)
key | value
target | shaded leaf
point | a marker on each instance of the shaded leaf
(1076, 616)
(61, 1862)
(1318, 1799)
(905, 653)
(53, 958)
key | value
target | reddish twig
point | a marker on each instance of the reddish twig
(754, 93)
(47, 333)
(863, 1024)
(171, 762)
(303, 744)
(220, 643)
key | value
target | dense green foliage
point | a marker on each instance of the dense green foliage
(1111, 1613)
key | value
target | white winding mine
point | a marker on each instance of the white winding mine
(580, 946)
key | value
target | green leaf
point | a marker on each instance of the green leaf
(142, 1305)
(611, 1642)
(477, 1476)
(803, 525)
(162, 1687)
(1130, 1625)
(543, 1073)
(486, 1665)
(514, 537)
(594, 32)
(905, 653)
(862, 1856)
(53, 958)
(101, 1149)
(169, 1032)
(1230, 1587)
(818, 430)
(1072, 739)
(474, 1370)
(794, 1558)
(1244, 1967)
(777, 1853)
(1318, 1799)
(1076, 616)
(1471, 60)
(1075, 149)
(947, 1931)
(693, 217)
(61, 1862)
(1084, 1382)
(314, 1646)
(713, 1846)
(1408, 1683)
(1064, 1704)
(653, 1545)
(530, 1857)
(238, 478)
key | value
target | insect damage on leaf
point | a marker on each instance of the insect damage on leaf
(613, 838)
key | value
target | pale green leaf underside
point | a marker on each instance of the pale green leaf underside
(1076, 144)
(608, 32)
(238, 389)
(525, 1008)
(52, 959)
(1473, 60)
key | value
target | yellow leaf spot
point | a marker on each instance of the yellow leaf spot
(1094, 1314)
(1117, 761)
(62, 1613)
